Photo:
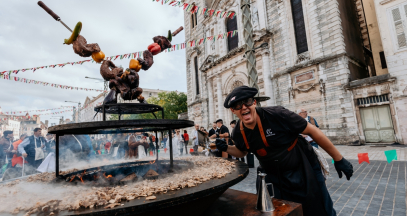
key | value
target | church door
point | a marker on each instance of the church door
(377, 124)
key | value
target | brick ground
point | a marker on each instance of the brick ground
(378, 188)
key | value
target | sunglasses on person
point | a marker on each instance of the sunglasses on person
(247, 102)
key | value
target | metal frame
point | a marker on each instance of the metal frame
(121, 126)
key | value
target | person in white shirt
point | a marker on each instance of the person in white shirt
(176, 143)
(32, 148)
(195, 139)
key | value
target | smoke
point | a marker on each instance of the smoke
(21, 196)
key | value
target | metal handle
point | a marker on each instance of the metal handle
(272, 188)
(49, 11)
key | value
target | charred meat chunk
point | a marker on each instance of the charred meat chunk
(83, 49)
(148, 61)
(109, 71)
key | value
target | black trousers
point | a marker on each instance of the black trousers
(33, 162)
(328, 204)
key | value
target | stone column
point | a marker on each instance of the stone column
(268, 84)
(211, 105)
(220, 99)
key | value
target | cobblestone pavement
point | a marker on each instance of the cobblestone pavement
(378, 188)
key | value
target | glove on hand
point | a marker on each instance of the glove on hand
(221, 145)
(344, 166)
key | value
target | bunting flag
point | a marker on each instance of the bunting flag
(24, 117)
(26, 111)
(391, 155)
(128, 55)
(28, 81)
(363, 157)
(190, 8)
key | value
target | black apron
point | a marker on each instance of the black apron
(290, 171)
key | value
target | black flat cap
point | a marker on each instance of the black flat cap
(238, 94)
(219, 120)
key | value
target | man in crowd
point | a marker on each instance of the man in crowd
(49, 143)
(303, 113)
(18, 142)
(221, 133)
(272, 134)
(195, 139)
(6, 143)
(212, 131)
(32, 148)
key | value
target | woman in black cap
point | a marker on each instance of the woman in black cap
(272, 134)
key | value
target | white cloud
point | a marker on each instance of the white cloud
(29, 37)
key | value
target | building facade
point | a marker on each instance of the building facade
(341, 60)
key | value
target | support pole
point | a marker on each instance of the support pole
(57, 155)
(171, 157)
(250, 56)
(156, 144)
(248, 37)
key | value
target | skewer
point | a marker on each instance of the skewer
(54, 15)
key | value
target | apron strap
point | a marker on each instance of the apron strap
(293, 145)
(263, 137)
(244, 135)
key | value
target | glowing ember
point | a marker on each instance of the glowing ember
(108, 176)
(152, 162)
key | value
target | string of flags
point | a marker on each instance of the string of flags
(174, 47)
(28, 81)
(191, 8)
(26, 111)
(391, 155)
(28, 117)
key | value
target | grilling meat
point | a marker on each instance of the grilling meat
(162, 41)
(83, 49)
(148, 61)
(109, 71)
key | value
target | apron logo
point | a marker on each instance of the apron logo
(269, 133)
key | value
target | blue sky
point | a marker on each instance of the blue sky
(29, 37)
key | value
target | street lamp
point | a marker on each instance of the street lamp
(106, 83)
(61, 118)
(79, 108)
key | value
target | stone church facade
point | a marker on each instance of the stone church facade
(335, 58)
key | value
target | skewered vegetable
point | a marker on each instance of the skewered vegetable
(154, 48)
(169, 37)
(135, 65)
(75, 34)
(98, 56)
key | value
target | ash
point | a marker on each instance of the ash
(35, 195)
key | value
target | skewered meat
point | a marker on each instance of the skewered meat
(162, 41)
(83, 49)
(109, 71)
(147, 60)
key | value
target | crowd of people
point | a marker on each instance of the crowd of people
(31, 151)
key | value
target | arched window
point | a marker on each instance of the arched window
(299, 26)
(196, 74)
(231, 25)
(194, 19)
